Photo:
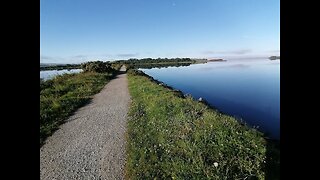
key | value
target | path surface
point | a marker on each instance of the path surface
(91, 145)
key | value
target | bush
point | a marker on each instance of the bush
(97, 66)
(116, 66)
(129, 66)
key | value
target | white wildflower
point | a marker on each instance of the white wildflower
(215, 164)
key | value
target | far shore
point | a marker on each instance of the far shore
(216, 60)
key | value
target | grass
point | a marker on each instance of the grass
(175, 137)
(61, 96)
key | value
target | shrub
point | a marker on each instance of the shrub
(97, 66)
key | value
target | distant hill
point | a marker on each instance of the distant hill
(57, 66)
(214, 60)
(51, 64)
(199, 60)
(274, 57)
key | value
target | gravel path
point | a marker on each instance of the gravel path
(91, 144)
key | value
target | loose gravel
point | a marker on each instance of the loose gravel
(91, 144)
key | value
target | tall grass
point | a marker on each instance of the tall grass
(171, 137)
(61, 96)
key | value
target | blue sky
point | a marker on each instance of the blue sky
(73, 31)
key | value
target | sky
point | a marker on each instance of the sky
(75, 31)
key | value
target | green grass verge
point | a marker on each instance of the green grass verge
(61, 96)
(171, 137)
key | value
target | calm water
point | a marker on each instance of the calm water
(247, 89)
(51, 73)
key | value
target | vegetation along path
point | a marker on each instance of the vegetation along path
(91, 144)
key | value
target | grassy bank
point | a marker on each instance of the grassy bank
(62, 95)
(175, 137)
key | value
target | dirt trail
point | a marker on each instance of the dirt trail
(91, 144)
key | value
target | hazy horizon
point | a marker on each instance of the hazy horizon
(110, 60)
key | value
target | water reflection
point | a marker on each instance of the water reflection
(165, 65)
(45, 75)
(248, 89)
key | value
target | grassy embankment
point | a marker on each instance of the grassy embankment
(61, 96)
(175, 137)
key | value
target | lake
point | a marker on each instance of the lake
(52, 73)
(246, 89)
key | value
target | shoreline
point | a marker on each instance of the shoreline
(154, 115)
(204, 101)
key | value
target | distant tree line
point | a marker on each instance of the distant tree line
(274, 57)
(154, 65)
(155, 61)
(60, 67)
(100, 66)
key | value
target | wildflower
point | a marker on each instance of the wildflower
(215, 164)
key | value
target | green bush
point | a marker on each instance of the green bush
(97, 66)
(116, 66)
